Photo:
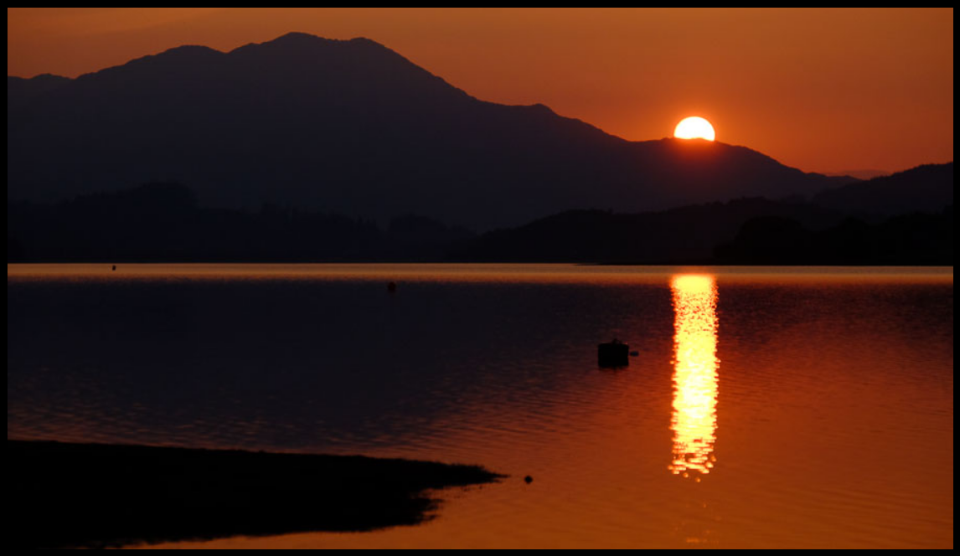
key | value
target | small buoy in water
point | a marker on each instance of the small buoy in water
(634, 353)
(613, 354)
(392, 287)
(528, 479)
(114, 267)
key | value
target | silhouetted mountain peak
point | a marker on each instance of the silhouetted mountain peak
(352, 126)
(20, 90)
(189, 50)
(180, 61)
(291, 52)
(861, 174)
(299, 39)
(304, 47)
(359, 68)
(43, 78)
(293, 41)
(542, 108)
(186, 54)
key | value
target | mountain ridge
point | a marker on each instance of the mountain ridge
(163, 222)
(354, 127)
(928, 187)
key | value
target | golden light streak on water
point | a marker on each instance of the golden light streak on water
(694, 421)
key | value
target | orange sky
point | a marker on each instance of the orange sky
(821, 90)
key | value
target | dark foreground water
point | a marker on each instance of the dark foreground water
(766, 407)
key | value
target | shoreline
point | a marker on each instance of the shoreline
(100, 495)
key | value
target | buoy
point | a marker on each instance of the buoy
(528, 479)
(634, 353)
(613, 354)
(114, 267)
(392, 287)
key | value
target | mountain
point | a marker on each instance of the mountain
(351, 127)
(864, 174)
(926, 188)
(906, 239)
(685, 235)
(162, 222)
(21, 90)
(741, 231)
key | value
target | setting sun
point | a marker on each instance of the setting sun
(694, 128)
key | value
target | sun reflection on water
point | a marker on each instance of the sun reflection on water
(694, 421)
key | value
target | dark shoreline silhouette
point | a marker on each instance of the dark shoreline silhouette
(164, 222)
(902, 219)
(95, 495)
(911, 239)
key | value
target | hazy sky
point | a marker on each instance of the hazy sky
(822, 90)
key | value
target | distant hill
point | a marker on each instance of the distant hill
(925, 188)
(21, 90)
(162, 222)
(350, 127)
(686, 235)
(847, 225)
(866, 174)
(907, 239)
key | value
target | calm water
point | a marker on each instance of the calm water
(766, 408)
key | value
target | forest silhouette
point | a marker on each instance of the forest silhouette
(164, 222)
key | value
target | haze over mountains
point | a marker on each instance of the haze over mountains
(350, 127)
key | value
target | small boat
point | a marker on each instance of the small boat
(613, 354)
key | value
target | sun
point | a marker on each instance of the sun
(694, 127)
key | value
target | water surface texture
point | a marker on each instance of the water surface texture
(767, 407)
